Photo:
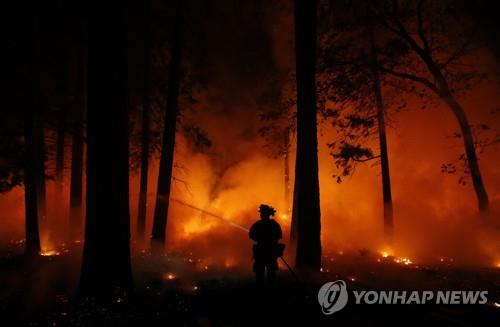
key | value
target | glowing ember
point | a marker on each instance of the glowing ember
(169, 276)
(405, 261)
(49, 253)
(230, 262)
(497, 265)
(389, 254)
(195, 288)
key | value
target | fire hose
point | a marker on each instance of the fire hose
(232, 223)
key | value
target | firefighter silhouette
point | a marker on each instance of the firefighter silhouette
(266, 233)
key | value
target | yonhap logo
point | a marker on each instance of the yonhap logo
(333, 296)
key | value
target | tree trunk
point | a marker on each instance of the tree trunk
(167, 150)
(34, 161)
(384, 159)
(470, 151)
(76, 178)
(30, 186)
(286, 170)
(106, 263)
(41, 192)
(143, 188)
(306, 211)
(59, 175)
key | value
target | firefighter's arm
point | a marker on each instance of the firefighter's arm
(252, 233)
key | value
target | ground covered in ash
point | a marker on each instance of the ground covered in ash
(182, 290)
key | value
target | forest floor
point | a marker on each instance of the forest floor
(177, 291)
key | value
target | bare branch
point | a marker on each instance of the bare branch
(365, 160)
(403, 32)
(185, 183)
(421, 32)
(422, 80)
(460, 51)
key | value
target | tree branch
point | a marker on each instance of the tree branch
(403, 32)
(422, 80)
(421, 27)
(460, 51)
(365, 160)
(425, 56)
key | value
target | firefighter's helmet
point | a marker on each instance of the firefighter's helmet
(266, 209)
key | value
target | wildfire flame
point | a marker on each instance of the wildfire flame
(50, 253)
(405, 261)
(389, 253)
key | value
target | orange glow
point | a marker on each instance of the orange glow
(385, 254)
(388, 253)
(405, 261)
(50, 253)
(230, 262)
(169, 276)
(196, 225)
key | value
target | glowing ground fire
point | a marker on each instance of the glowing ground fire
(50, 253)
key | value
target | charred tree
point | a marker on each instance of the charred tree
(382, 137)
(146, 104)
(30, 186)
(76, 177)
(40, 168)
(34, 165)
(60, 147)
(168, 145)
(306, 203)
(286, 168)
(106, 263)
